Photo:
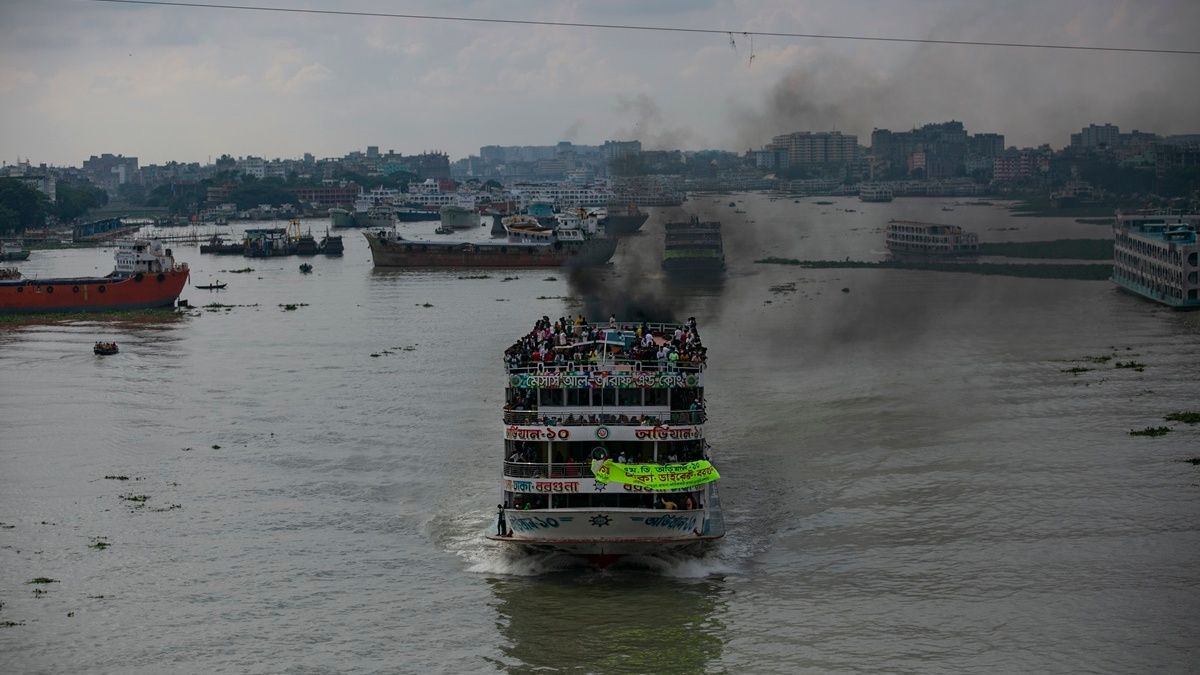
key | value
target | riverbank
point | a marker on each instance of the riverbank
(1084, 272)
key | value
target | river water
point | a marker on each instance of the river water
(912, 482)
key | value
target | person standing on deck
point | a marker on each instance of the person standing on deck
(501, 530)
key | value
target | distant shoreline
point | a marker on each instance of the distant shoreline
(1078, 272)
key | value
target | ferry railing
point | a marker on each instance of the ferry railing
(610, 364)
(543, 470)
(573, 419)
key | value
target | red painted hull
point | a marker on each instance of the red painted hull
(92, 294)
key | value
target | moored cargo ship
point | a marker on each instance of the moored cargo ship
(605, 450)
(624, 219)
(146, 275)
(527, 243)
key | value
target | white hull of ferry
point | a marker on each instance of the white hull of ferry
(613, 532)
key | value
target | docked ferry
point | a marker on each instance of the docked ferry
(912, 238)
(605, 451)
(146, 275)
(1157, 256)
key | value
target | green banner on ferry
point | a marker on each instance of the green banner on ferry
(656, 476)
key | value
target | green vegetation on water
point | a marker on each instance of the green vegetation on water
(1032, 271)
(1150, 431)
(1069, 249)
(1185, 417)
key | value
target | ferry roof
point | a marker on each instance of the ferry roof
(571, 342)
(1171, 228)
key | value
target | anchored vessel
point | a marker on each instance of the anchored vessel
(528, 243)
(874, 192)
(455, 217)
(693, 246)
(623, 219)
(12, 251)
(909, 237)
(604, 443)
(146, 275)
(1157, 256)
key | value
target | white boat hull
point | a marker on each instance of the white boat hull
(612, 532)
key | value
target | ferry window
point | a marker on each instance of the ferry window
(656, 397)
(680, 398)
(608, 396)
(550, 397)
(629, 397)
(578, 396)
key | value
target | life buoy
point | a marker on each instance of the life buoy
(161, 277)
(599, 452)
(49, 289)
(101, 289)
(20, 289)
(74, 289)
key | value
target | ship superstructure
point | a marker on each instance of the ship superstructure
(605, 451)
(1157, 256)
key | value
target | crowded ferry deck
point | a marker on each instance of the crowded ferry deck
(604, 445)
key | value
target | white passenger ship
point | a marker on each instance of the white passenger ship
(1157, 256)
(913, 238)
(605, 452)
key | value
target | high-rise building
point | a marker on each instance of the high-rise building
(1097, 136)
(808, 149)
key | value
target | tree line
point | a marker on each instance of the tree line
(23, 207)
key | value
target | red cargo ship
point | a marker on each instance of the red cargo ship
(146, 275)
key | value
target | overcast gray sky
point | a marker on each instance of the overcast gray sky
(80, 78)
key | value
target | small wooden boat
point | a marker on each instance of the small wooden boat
(211, 287)
(306, 268)
(105, 348)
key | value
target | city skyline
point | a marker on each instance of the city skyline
(188, 84)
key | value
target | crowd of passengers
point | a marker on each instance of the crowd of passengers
(569, 341)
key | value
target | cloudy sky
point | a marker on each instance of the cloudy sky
(79, 78)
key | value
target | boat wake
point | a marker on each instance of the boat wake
(466, 539)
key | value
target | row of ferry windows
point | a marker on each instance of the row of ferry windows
(678, 398)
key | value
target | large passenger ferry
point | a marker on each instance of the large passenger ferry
(1157, 256)
(605, 451)
(912, 238)
(693, 246)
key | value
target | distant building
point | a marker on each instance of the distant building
(808, 149)
(614, 150)
(327, 196)
(1096, 137)
(1020, 165)
(944, 146)
(110, 171)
